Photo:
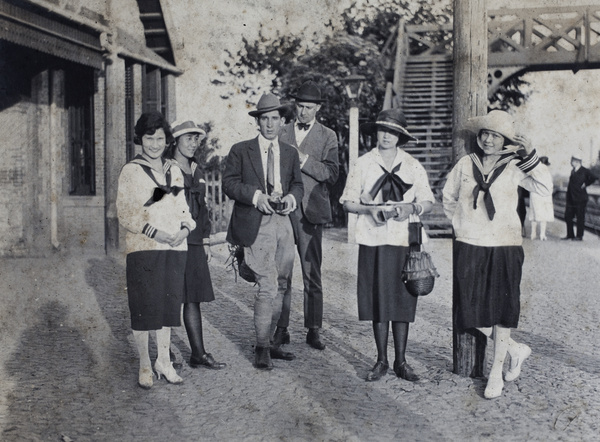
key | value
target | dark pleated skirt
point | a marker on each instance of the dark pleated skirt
(487, 285)
(155, 288)
(198, 285)
(382, 296)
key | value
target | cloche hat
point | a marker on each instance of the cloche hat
(391, 119)
(496, 121)
(309, 92)
(182, 127)
(267, 103)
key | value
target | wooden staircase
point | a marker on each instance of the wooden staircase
(426, 100)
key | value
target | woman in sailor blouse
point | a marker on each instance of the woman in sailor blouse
(480, 197)
(151, 206)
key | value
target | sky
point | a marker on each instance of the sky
(560, 116)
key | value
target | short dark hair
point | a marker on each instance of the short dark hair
(149, 123)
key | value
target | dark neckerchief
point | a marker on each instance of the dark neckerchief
(160, 190)
(391, 185)
(484, 185)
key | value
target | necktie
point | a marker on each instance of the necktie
(270, 170)
(303, 126)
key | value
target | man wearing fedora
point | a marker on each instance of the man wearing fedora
(263, 177)
(318, 150)
(577, 197)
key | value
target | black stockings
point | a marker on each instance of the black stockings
(400, 333)
(192, 318)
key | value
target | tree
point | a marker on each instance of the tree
(204, 155)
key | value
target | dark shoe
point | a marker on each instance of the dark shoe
(379, 369)
(278, 353)
(579, 238)
(207, 361)
(313, 339)
(567, 238)
(404, 371)
(262, 358)
(281, 336)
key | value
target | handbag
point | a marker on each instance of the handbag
(418, 273)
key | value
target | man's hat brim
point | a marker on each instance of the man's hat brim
(281, 108)
(306, 99)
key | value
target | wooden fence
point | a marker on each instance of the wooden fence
(219, 206)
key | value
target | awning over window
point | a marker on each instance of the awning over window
(55, 36)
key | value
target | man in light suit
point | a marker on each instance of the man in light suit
(263, 177)
(317, 146)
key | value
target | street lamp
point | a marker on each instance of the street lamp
(354, 85)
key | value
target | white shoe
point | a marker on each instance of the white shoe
(516, 361)
(532, 236)
(494, 388)
(543, 238)
(168, 372)
(146, 378)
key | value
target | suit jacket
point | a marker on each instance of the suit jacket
(320, 169)
(576, 189)
(244, 175)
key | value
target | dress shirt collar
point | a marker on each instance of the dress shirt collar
(264, 143)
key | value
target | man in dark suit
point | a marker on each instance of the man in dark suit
(263, 177)
(318, 149)
(577, 198)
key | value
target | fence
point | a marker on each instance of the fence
(219, 206)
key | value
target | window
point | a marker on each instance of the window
(79, 100)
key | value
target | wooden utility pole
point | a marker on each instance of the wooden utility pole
(470, 100)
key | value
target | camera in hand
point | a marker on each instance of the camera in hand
(385, 214)
(277, 205)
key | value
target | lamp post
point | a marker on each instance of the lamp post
(354, 85)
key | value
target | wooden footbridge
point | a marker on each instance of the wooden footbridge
(519, 40)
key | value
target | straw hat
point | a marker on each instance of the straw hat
(182, 127)
(497, 121)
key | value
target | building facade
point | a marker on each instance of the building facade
(73, 80)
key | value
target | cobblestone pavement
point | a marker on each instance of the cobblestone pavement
(69, 367)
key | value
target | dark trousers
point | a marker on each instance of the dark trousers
(575, 211)
(309, 239)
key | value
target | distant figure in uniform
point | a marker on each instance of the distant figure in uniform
(317, 146)
(541, 208)
(577, 198)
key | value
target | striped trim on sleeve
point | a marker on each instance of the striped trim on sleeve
(149, 231)
(529, 162)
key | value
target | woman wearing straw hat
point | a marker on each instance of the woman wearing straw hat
(386, 180)
(198, 286)
(480, 197)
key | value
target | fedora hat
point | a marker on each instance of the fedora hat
(267, 103)
(390, 119)
(309, 92)
(182, 127)
(497, 121)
